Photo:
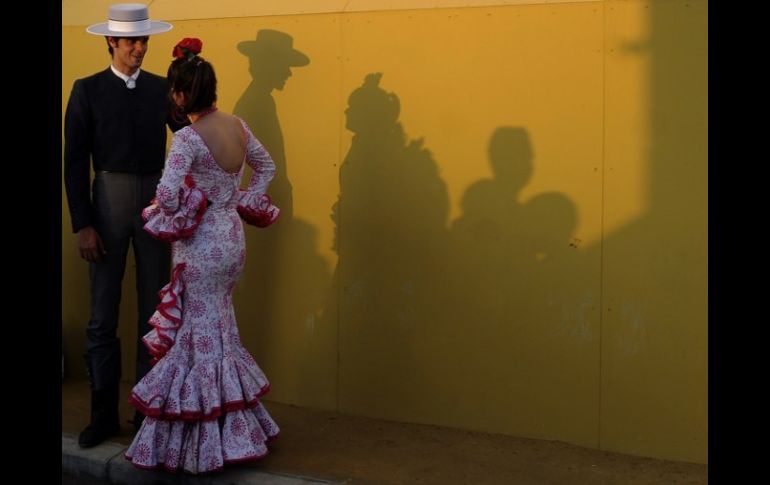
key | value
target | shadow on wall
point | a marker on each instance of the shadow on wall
(271, 57)
(655, 267)
(390, 222)
(514, 297)
(429, 312)
(288, 279)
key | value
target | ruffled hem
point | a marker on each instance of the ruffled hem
(167, 318)
(182, 223)
(203, 416)
(203, 446)
(257, 210)
(173, 390)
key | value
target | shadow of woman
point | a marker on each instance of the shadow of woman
(390, 223)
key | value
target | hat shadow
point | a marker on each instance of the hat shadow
(271, 55)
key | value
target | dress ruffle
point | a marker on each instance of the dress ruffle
(181, 223)
(203, 446)
(208, 409)
(257, 210)
(167, 317)
(205, 390)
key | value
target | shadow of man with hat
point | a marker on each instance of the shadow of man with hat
(271, 57)
(293, 265)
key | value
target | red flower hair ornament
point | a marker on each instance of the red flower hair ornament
(187, 48)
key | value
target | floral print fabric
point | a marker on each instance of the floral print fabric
(201, 398)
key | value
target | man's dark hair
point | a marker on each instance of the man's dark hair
(117, 39)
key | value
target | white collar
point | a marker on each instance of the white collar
(129, 80)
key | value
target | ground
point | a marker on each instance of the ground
(328, 445)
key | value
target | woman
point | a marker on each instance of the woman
(201, 398)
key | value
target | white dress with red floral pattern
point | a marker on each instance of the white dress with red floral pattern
(201, 398)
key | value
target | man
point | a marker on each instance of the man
(116, 119)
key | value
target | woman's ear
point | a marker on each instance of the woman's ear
(179, 98)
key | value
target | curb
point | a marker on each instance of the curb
(106, 462)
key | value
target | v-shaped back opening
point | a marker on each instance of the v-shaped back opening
(243, 138)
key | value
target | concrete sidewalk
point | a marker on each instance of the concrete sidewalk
(106, 462)
(326, 447)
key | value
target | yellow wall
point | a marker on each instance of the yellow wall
(528, 259)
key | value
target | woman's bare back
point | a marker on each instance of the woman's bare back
(223, 135)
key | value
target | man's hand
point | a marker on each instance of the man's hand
(90, 245)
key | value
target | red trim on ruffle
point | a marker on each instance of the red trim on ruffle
(263, 215)
(158, 350)
(176, 274)
(177, 234)
(180, 467)
(192, 416)
(164, 236)
(168, 468)
(246, 458)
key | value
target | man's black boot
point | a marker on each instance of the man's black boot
(104, 418)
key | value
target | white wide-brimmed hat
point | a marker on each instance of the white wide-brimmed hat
(129, 20)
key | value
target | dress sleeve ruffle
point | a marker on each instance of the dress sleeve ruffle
(167, 317)
(257, 210)
(173, 225)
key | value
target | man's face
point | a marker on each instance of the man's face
(128, 53)
(273, 74)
